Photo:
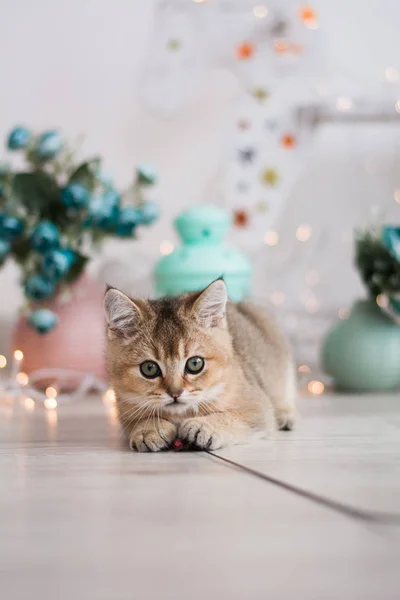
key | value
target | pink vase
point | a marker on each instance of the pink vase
(77, 342)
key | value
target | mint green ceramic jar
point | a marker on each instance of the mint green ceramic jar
(362, 353)
(203, 257)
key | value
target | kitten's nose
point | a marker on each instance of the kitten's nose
(175, 393)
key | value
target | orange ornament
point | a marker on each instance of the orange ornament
(307, 14)
(240, 218)
(288, 141)
(244, 51)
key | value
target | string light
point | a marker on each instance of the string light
(51, 392)
(304, 369)
(397, 106)
(344, 103)
(18, 355)
(271, 238)
(50, 403)
(22, 378)
(278, 297)
(260, 11)
(51, 418)
(391, 74)
(312, 277)
(3, 361)
(109, 396)
(29, 404)
(316, 387)
(166, 247)
(396, 196)
(303, 233)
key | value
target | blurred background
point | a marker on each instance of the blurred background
(284, 114)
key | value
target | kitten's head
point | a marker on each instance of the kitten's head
(171, 353)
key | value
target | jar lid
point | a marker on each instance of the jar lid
(205, 224)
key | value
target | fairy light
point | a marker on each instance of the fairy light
(22, 378)
(312, 277)
(316, 387)
(18, 355)
(396, 196)
(344, 103)
(312, 305)
(278, 297)
(29, 404)
(109, 396)
(397, 106)
(343, 314)
(382, 301)
(51, 392)
(304, 369)
(303, 233)
(166, 247)
(50, 403)
(3, 361)
(271, 238)
(260, 11)
(391, 74)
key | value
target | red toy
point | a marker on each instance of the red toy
(178, 445)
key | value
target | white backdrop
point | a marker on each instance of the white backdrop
(75, 65)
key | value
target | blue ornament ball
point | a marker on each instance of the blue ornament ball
(38, 287)
(4, 249)
(75, 196)
(146, 174)
(43, 320)
(128, 218)
(45, 236)
(18, 138)
(150, 212)
(57, 263)
(10, 227)
(49, 144)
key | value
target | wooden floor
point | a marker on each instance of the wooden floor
(81, 518)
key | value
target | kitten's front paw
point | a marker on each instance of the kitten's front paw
(201, 433)
(153, 439)
(285, 417)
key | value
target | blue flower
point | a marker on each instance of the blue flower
(38, 287)
(146, 175)
(104, 210)
(4, 249)
(18, 138)
(10, 227)
(391, 240)
(150, 212)
(129, 217)
(49, 144)
(104, 178)
(45, 236)
(43, 320)
(57, 263)
(75, 196)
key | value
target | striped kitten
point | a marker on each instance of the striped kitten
(196, 367)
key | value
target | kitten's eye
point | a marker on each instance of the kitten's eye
(150, 369)
(194, 365)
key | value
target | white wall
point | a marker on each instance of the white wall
(74, 65)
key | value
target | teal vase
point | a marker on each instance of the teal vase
(203, 257)
(362, 353)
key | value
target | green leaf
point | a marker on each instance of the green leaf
(86, 173)
(77, 268)
(39, 193)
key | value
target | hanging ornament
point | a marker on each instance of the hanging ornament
(244, 51)
(269, 177)
(247, 155)
(244, 124)
(174, 45)
(260, 94)
(241, 218)
(262, 206)
(309, 17)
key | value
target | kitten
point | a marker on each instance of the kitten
(196, 367)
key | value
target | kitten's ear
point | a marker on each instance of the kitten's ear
(121, 312)
(210, 305)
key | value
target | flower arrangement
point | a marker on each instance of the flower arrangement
(55, 211)
(378, 262)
